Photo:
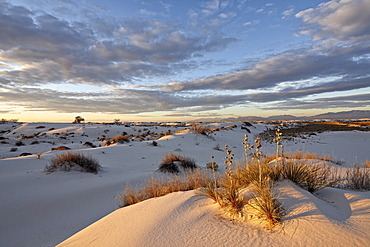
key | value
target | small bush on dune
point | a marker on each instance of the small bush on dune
(60, 148)
(309, 177)
(171, 168)
(121, 139)
(73, 161)
(19, 143)
(198, 128)
(172, 163)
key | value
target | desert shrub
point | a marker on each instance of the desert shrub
(172, 163)
(25, 154)
(19, 143)
(309, 177)
(13, 149)
(230, 197)
(34, 142)
(129, 196)
(366, 164)
(210, 190)
(60, 148)
(358, 178)
(160, 186)
(255, 171)
(40, 127)
(171, 168)
(245, 190)
(73, 161)
(212, 166)
(265, 203)
(89, 144)
(198, 128)
(154, 144)
(121, 139)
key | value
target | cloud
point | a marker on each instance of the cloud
(345, 21)
(289, 66)
(287, 13)
(350, 102)
(115, 100)
(37, 48)
(96, 50)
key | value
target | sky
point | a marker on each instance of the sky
(182, 60)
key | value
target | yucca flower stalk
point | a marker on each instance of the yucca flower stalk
(247, 147)
(257, 156)
(277, 140)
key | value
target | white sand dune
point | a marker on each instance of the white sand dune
(179, 219)
(39, 209)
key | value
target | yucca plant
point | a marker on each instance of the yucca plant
(319, 178)
(309, 177)
(230, 196)
(266, 204)
(210, 190)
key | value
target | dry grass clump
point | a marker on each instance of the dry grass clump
(312, 177)
(174, 163)
(155, 187)
(198, 128)
(366, 164)
(358, 178)
(121, 139)
(60, 148)
(73, 161)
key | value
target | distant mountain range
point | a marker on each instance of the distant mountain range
(330, 115)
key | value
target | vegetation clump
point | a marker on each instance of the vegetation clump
(174, 163)
(60, 148)
(358, 178)
(121, 139)
(160, 186)
(198, 128)
(70, 161)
